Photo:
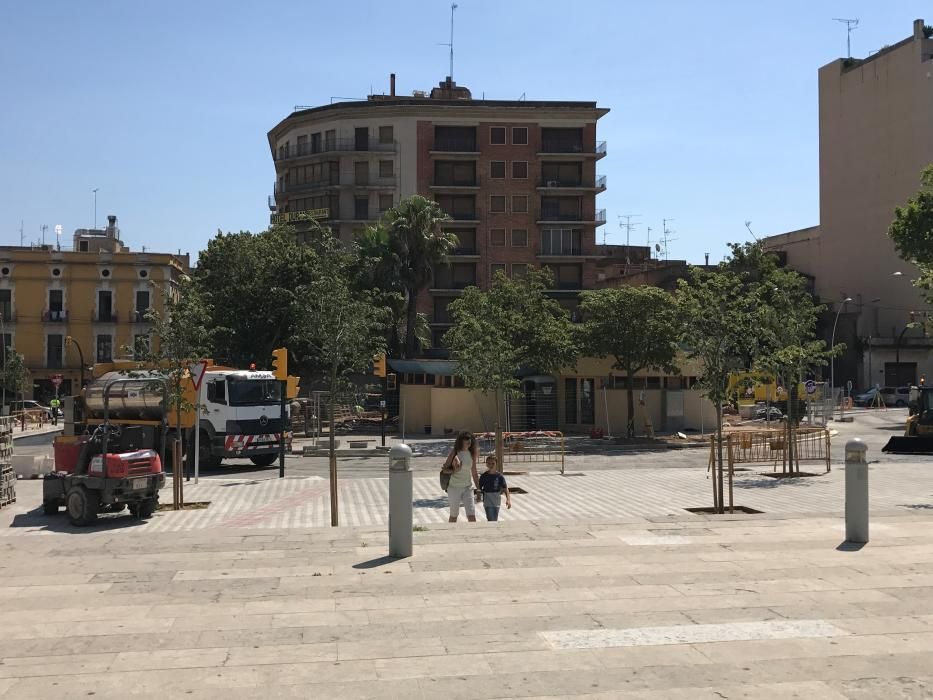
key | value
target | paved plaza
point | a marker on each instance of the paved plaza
(596, 585)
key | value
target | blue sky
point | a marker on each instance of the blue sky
(164, 106)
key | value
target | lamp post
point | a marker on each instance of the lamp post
(71, 341)
(832, 361)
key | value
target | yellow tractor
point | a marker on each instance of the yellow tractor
(918, 433)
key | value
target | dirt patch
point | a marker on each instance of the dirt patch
(735, 509)
(788, 475)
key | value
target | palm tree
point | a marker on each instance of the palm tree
(418, 244)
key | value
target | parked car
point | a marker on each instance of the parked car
(30, 405)
(762, 413)
(896, 396)
(865, 399)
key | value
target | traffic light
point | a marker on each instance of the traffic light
(390, 382)
(379, 365)
(291, 391)
(280, 363)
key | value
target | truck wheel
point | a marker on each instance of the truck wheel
(144, 509)
(264, 460)
(115, 508)
(50, 507)
(82, 506)
(205, 458)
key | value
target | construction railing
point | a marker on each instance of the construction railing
(524, 448)
(770, 446)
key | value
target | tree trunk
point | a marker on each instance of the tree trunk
(499, 446)
(630, 398)
(411, 314)
(718, 471)
(792, 428)
(334, 520)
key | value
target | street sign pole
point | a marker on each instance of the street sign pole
(196, 370)
(284, 387)
(382, 411)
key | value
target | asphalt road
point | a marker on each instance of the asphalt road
(874, 427)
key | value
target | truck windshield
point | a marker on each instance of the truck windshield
(249, 392)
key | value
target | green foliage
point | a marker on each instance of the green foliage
(912, 231)
(254, 284)
(14, 376)
(398, 258)
(928, 31)
(512, 325)
(637, 326)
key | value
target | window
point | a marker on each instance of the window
(360, 208)
(140, 346)
(497, 169)
(494, 269)
(385, 202)
(519, 237)
(561, 209)
(104, 348)
(302, 145)
(248, 392)
(562, 174)
(520, 135)
(455, 139)
(455, 276)
(217, 391)
(497, 236)
(105, 306)
(570, 401)
(459, 206)
(6, 304)
(455, 173)
(561, 140)
(497, 135)
(561, 241)
(56, 300)
(7, 340)
(567, 276)
(519, 270)
(579, 401)
(82, 246)
(441, 311)
(520, 169)
(54, 351)
(330, 139)
(361, 138)
(361, 172)
(519, 204)
(142, 306)
(386, 168)
(386, 134)
(497, 204)
(316, 142)
(466, 241)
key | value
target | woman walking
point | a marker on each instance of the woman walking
(462, 461)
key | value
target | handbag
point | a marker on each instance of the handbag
(445, 479)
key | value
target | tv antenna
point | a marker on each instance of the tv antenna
(629, 227)
(649, 241)
(666, 237)
(748, 225)
(43, 228)
(450, 44)
(851, 25)
(22, 236)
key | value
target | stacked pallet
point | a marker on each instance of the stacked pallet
(7, 475)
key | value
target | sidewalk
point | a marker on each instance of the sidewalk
(653, 609)
(35, 431)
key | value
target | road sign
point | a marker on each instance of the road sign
(56, 380)
(196, 370)
(849, 385)
(810, 386)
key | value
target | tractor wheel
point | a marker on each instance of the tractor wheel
(148, 507)
(50, 507)
(264, 460)
(82, 506)
(115, 508)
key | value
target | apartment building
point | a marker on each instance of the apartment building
(875, 131)
(518, 179)
(97, 292)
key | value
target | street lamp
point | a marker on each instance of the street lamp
(832, 361)
(71, 341)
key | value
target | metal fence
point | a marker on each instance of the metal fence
(525, 449)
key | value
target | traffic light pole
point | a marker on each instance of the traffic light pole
(382, 411)
(283, 385)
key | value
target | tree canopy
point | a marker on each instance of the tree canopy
(912, 231)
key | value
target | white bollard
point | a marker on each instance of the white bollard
(856, 492)
(400, 501)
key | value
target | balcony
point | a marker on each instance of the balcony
(557, 215)
(305, 150)
(564, 147)
(464, 184)
(59, 316)
(140, 316)
(272, 205)
(600, 217)
(8, 316)
(294, 188)
(455, 145)
(597, 185)
(105, 317)
(464, 250)
(300, 217)
(382, 182)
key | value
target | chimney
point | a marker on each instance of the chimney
(391, 84)
(111, 226)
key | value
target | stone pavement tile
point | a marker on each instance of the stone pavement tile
(720, 615)
(285, 606)
(882, 624)
(58, 630)
(870, 688)
(407, 689)
(394, 602)
(390, 648)
(171, 609)
(494, 642)
(433, 666)
(312, 619)
(169, 659)
(5, 685)
(27, 666)
(249, 637)
(115, 643)
(253, 572)
(51, 590)
(810, 690)
(640, 619)
(281, 654)
(638, 657)
(582, 660)
(16, 581)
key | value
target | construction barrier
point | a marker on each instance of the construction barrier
(770, 446)
(7, 475)
(530, 447)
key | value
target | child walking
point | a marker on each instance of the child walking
(493, 485)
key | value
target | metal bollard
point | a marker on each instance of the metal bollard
(400, 501)
(856, 492)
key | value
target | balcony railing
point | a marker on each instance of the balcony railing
(293, 187)
(556, 215)
(463, 215)
(106, 316)
(563, 146)
(601, 148)
(382, 181)
(601, 182)
(8, 316)
(334, 145)
(272, 205)
(464, 250)
(454, 145)
(450, 283)
(55, 316)
(600, 217)
(140, 316)
(444, 182)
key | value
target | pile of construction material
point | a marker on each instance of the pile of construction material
(7, 475)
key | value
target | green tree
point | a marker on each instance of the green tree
(15, 377)
(415, 244)
(511, 326)
(912, 231)
(343, 330)
(720, 331)
(638, 327)
(254, 285)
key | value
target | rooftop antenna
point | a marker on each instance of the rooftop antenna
(649, 241)
(58, 235)
(748, 225)
(43, 228)
(851, 25)
(22, 237)
(453, 6)
(628, 226)
(95, 206)
(666, 237)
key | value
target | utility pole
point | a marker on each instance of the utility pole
(851, 25)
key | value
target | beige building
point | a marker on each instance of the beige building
(876, 135)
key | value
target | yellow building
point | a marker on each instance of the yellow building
(97, 292)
